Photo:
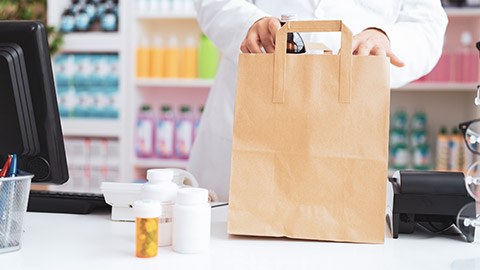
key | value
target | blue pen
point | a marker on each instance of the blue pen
(13, 167)
(11, 190)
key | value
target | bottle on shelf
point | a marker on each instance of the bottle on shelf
(143, 58)
(295, 43)
(455, 161)
(109, 20)
(164, 133)
(184, 133)
(466, 60)
(400, 157)
(442, 150)
(178, 6)
(190, 58)
(172, 58)
(91, 9)
(67, 23)
(82, 20)
(158, 57)
(208, 57)
(144, 132)
(421, 157)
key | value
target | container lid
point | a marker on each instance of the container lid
(157, 40)
(288, 17)
(147, 208)
(166, 108)
(145, 108)
(185, 109)
(191, 196)
(159, 175)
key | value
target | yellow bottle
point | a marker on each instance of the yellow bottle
(172, 59)
(442, 150)
(190, 59)
(147, 213)
(143, 59)
(158, 58)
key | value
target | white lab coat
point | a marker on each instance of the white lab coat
(415, 28)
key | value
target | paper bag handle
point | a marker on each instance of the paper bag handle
(345, 78)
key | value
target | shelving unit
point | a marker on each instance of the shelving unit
(167, 16)
(462, 12)
(435, 87)
(97, 42)
(156, 162)
(157, 92)
(100, 42)
(91, 128)
(158, 83)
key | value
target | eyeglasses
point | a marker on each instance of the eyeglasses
(471, 134)
(468, 218)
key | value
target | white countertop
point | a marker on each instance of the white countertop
(64, 241)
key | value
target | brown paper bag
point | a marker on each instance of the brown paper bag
(310, 143)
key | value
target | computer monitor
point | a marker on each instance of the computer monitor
(29, 120)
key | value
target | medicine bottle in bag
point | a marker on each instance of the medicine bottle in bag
(295, 42)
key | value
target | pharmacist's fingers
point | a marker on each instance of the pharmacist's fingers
(378, 51)
(251, 44)
(266, 40)
(273, 27)
(395, 60)
(254, 45)
(363, 49)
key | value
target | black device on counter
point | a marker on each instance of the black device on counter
(28, 107)
(428, 199)
(29, 118)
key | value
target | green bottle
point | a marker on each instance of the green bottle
(208, 57)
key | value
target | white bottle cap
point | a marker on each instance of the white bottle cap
(173, 41)
(288, 17)
(190, 42)
(159, 175)
(147, 209)
(189, 196)
(143, 41)
(157, 40)
(466, 38)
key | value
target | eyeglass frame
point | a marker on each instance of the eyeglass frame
(463, 127)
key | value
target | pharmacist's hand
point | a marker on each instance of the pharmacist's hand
(374, 42)
(261, 34)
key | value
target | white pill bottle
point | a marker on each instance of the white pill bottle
(160, 187)
(191, 221)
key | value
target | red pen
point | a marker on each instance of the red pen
(6, 167)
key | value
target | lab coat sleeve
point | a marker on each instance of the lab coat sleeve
(226, 23)
(417, 39)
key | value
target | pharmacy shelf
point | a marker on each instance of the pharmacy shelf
(98, 42)
(160, 163)
(433, 87)
(186, 83)
(91, 128)
(166, 16)
(462, 12)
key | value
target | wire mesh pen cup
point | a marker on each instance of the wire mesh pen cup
(14, 192)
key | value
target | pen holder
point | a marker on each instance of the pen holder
(14, 192)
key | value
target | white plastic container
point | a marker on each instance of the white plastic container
(191, 221)
(161, 188)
